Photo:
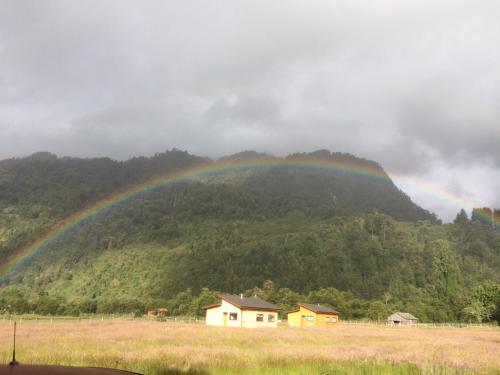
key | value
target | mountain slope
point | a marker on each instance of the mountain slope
(37, 191)
(303, 228)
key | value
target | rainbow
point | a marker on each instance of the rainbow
(487, 215)
(20, 258)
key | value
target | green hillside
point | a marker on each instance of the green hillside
(286, 233)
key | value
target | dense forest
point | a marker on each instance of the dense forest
(287, 234)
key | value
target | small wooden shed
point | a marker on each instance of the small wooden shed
(402, 319)
(157, 313)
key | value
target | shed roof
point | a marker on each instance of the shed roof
(404, 315)
(316, 308)
(249, 303)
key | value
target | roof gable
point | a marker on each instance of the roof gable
(212, 306)
(249, 303)
(316, 308)
(404, 315)
(407, 316)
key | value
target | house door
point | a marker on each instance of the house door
(303, 321)
(224, 317)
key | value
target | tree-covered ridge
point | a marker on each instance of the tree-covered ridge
(357, 243)
(37, 191)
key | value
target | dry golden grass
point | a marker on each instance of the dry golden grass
(154, 347)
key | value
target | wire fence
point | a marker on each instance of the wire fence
(30, 318)
(97, 317)
(419, 325)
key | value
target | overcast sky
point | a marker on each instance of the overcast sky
(414, 85)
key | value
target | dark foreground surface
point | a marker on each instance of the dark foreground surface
(59, 370)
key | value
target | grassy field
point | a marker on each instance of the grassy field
(179, 348)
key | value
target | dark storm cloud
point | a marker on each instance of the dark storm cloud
(414, 85)
(460, 122)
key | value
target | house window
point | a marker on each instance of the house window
(310, 318)
(270, 318)
(260, 317)
(233, 316)
(334, 319)
(327, 319)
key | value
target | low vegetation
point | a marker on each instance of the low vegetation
(161, 348)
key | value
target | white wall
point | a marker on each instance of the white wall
(246, 318)
(215, 316)
(250, 319)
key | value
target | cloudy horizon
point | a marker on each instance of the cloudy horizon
(413, 85)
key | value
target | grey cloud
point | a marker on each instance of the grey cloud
(247, 110)
(411, 84)
(460, 123)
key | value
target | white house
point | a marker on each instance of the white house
(239, 311)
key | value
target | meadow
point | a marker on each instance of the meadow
(168, 348)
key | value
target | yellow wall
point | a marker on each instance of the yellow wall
(296, 319)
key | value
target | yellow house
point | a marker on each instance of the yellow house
(309, 315)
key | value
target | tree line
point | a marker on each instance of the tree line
(481, 306)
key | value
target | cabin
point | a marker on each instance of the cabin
(239, 311)
(313, 315)
(157, 313)
(402, 319)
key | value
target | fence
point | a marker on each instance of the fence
(96, 317)
(201, 320)
(418, 325)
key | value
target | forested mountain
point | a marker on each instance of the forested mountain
(285, 232)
